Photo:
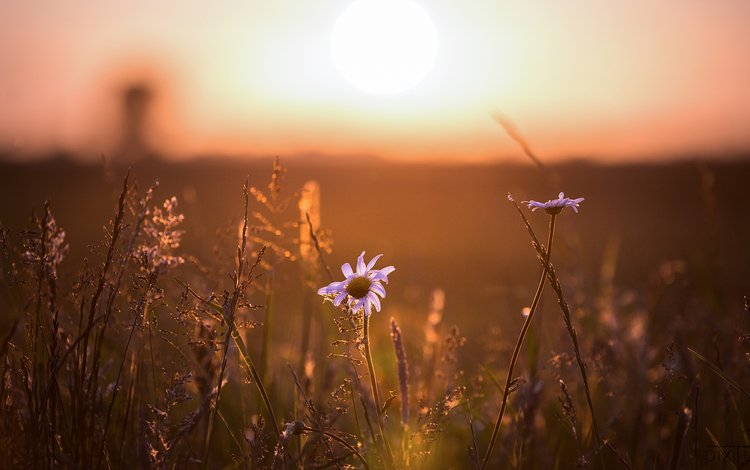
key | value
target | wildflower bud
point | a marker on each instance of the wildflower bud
(299, 428)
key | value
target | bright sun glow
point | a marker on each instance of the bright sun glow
(384, 46)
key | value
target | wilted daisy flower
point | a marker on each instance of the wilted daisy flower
(555, 206)
(362, 287)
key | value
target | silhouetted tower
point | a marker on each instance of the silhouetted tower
(136, 102)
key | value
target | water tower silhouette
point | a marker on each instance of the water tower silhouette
(136, 103)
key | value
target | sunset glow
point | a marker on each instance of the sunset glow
(617, 80)
(384, 46)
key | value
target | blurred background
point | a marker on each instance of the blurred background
(615, 81)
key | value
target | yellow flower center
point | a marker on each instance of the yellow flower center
(358, 287)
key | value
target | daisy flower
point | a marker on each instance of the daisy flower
(362, 287)
(555, 206)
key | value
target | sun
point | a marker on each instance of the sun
(384, 46)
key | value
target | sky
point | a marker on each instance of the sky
(614, 80)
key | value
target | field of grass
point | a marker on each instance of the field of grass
(178, 324)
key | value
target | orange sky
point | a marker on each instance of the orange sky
(616, 79)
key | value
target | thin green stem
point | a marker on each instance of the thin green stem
(519, 343)
(555, 283)
(375, 391)
(246, 359)
(343, 443)
(370, 367)
(228, 312)
(257, 379)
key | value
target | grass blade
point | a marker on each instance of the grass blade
(719, 372)
(724, 453)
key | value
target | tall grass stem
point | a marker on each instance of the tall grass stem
(519, 343)
(375, 391)
(567, 317)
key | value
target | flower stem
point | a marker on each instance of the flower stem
(375, 392)
(245, 356)
(519, 343)
(555, 284)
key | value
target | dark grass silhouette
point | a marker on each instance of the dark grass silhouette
(133, 322)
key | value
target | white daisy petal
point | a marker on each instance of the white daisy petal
(378, 288)
(368, 309)
(373, 261)
(361, 266)
(374, 300)
(346, 269)
(332, 288)
(339, 298)
(555, 206)
(379, 276)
